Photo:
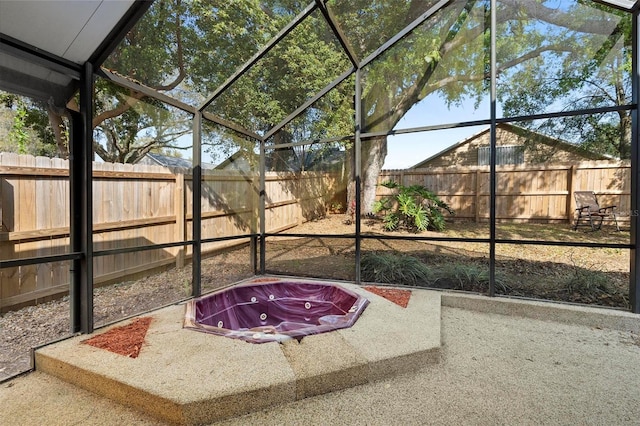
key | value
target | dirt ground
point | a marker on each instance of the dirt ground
(597, 276)
(569, 274)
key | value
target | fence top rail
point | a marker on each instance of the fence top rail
(33, 171)
(104, 174)
(64, 173)
(27, 165)
(508, 168)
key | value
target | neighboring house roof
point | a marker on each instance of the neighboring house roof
(170, 162)
(238, 159)
(324, 159)
(451, 148)
(313, 160)
(525, 133)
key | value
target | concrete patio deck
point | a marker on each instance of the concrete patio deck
(188, 377)
(502, 362)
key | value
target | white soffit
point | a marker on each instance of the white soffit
(71, 29)
(626, 4)
(29, 70)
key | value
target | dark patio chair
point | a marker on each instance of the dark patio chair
(589, 212)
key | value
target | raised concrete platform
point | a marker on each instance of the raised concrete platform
(187, 377)
(589, 316)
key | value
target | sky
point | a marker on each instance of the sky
(406, 150)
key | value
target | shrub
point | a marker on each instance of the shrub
(336, 208)
(414, 208)
(393, 268)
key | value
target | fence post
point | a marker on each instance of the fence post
(477, 200)
(571, 181)
(179, 210)
(254, 208)
(300, 185)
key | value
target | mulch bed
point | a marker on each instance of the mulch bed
(126, 340)
(399, 297)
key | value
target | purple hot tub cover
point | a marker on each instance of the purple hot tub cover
(275, 310)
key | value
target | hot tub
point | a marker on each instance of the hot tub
(278, 310)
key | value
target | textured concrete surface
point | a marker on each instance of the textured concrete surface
(495, 369)
(563, 313)
(189, 377)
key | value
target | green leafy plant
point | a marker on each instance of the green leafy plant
(18, 134)
(413, 208)
(393, 268)
(336, 208)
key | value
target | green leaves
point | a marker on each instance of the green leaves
(391, 221)
(25, 127)
(18, 134)
(571, 58)
(414, 208)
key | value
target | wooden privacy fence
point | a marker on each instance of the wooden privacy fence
(538, 193)
(136, 205)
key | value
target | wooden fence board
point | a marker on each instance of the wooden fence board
(133, 206)
(534, 192)
(141, 205)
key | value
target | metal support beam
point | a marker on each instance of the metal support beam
(76, 144)
(31, 54)
(262, 200)
(196, 259)
(527, 118)
(37, 82)
(147, 91)
(311, 142)
(308, 103)
(230, 125)
(634, 275)
(357, 147)
(342, 38)
(82, 201)
(405, 32)
(492, 159)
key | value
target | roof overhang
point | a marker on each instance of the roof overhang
(620, 4)
(44, 44)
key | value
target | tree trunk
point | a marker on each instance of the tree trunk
(625, 135)
(371, 165)
(374, 152)
(57, 126)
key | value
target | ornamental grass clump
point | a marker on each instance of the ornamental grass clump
(587, 282)
(383, 267)
(467, 277)
(413, 208)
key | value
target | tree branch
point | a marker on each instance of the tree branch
(131, 100)
(182, 71)
(536, 10)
